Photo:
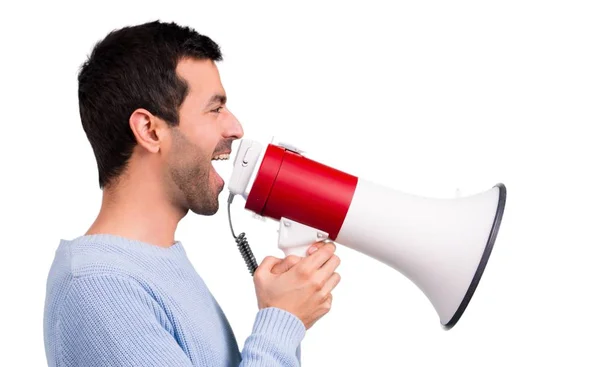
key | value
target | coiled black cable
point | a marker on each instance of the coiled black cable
(242, 242)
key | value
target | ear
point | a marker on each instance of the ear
(147, 129)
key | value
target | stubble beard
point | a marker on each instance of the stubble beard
(189, 171)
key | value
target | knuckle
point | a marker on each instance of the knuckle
(316, 283)
(304, 272)
(267, 260)
(259, 277)
(323, 296)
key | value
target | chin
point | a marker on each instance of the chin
(206, 207)
(213, 210)
(207, 211)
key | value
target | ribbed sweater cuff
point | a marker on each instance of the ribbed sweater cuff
(276, 324)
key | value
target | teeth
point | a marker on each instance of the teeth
(221, 157)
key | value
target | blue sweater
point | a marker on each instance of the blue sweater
(112, 301)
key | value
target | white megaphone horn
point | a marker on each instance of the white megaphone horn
(441, 245)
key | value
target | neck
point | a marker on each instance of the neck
(139, 211)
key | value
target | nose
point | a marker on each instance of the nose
(234, 128)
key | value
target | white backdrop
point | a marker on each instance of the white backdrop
(427, 97)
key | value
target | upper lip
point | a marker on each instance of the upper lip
(220, 153)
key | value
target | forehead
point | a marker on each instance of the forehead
(202, 77)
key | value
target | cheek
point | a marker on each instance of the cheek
(206, 135)
(188, 147)
(182, 161)
(192, 149)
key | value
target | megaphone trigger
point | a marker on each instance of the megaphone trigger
(295, 238)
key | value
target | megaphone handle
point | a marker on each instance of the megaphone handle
(296, 238)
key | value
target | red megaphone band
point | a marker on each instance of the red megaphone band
(290, 185)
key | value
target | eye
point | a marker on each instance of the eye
(217, 110)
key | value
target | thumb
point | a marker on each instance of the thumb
(285, 265)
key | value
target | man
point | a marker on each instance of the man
(124, 293)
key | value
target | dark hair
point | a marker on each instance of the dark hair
(134, 67)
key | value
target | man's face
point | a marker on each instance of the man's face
(205, 132)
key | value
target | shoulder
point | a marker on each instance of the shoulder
(83, 271)
(90, 268)
(93, 288)
(77, 261)
(107, 255)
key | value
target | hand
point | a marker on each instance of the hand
(289, 261)
(301, 286)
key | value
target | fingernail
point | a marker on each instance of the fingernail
(312, 249)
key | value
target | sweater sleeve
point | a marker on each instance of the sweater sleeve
(275, 339)
(113, 321)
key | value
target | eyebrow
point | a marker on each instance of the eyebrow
(217, 98)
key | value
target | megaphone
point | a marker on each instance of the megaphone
(441, 245)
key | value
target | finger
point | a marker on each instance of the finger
(319, 257)
(315, 247)
(329, 267)
(325, 306)
(286, 264)
(331, 283)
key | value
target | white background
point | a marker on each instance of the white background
(426, 97)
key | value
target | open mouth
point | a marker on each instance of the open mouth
(221, 157)
(218, 158)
